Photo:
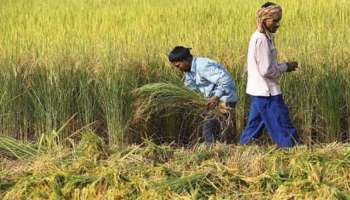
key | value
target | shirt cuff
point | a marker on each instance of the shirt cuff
(283, 67)
(218, 93)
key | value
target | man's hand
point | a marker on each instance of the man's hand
(213, 102)
(292, 66)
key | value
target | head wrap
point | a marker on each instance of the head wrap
(179, 53)
(265, 13)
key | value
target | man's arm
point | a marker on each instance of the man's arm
(267, 67)
(189, 82)
(223, 81)
(216, 74)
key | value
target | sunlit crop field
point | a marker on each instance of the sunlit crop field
(72, 64)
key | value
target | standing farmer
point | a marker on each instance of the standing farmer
(267, 108)
(210, 79)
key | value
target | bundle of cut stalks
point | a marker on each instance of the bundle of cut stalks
(12, 148)
(160, 100)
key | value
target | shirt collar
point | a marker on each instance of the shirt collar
(269, 36)
(194, 65)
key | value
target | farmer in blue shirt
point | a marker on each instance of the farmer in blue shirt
(209, 78)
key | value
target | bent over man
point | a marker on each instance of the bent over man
(209, 78)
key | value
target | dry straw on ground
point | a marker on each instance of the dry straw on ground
(163, 172)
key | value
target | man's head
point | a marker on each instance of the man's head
(181, 58)
(269, 17)
(267, 4)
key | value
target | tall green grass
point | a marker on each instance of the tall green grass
(82, 58)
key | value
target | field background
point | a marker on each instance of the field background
(79, 60)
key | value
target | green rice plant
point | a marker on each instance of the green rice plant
(332, 107)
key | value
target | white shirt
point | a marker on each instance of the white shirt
(263, 70)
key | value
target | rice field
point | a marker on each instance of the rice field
(83, 58)
(72, 68)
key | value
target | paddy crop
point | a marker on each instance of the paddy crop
(83, 58)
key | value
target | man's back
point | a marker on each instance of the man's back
(211, 79)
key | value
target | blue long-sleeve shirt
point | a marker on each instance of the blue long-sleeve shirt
(211, 79)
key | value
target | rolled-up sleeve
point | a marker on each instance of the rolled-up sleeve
(267, 64)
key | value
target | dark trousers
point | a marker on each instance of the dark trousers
(272, 113)
(212, 127)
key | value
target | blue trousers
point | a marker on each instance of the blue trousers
(270, 112)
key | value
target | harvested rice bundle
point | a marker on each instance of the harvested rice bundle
(155, 98)
(161, 100)
(12, 148)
